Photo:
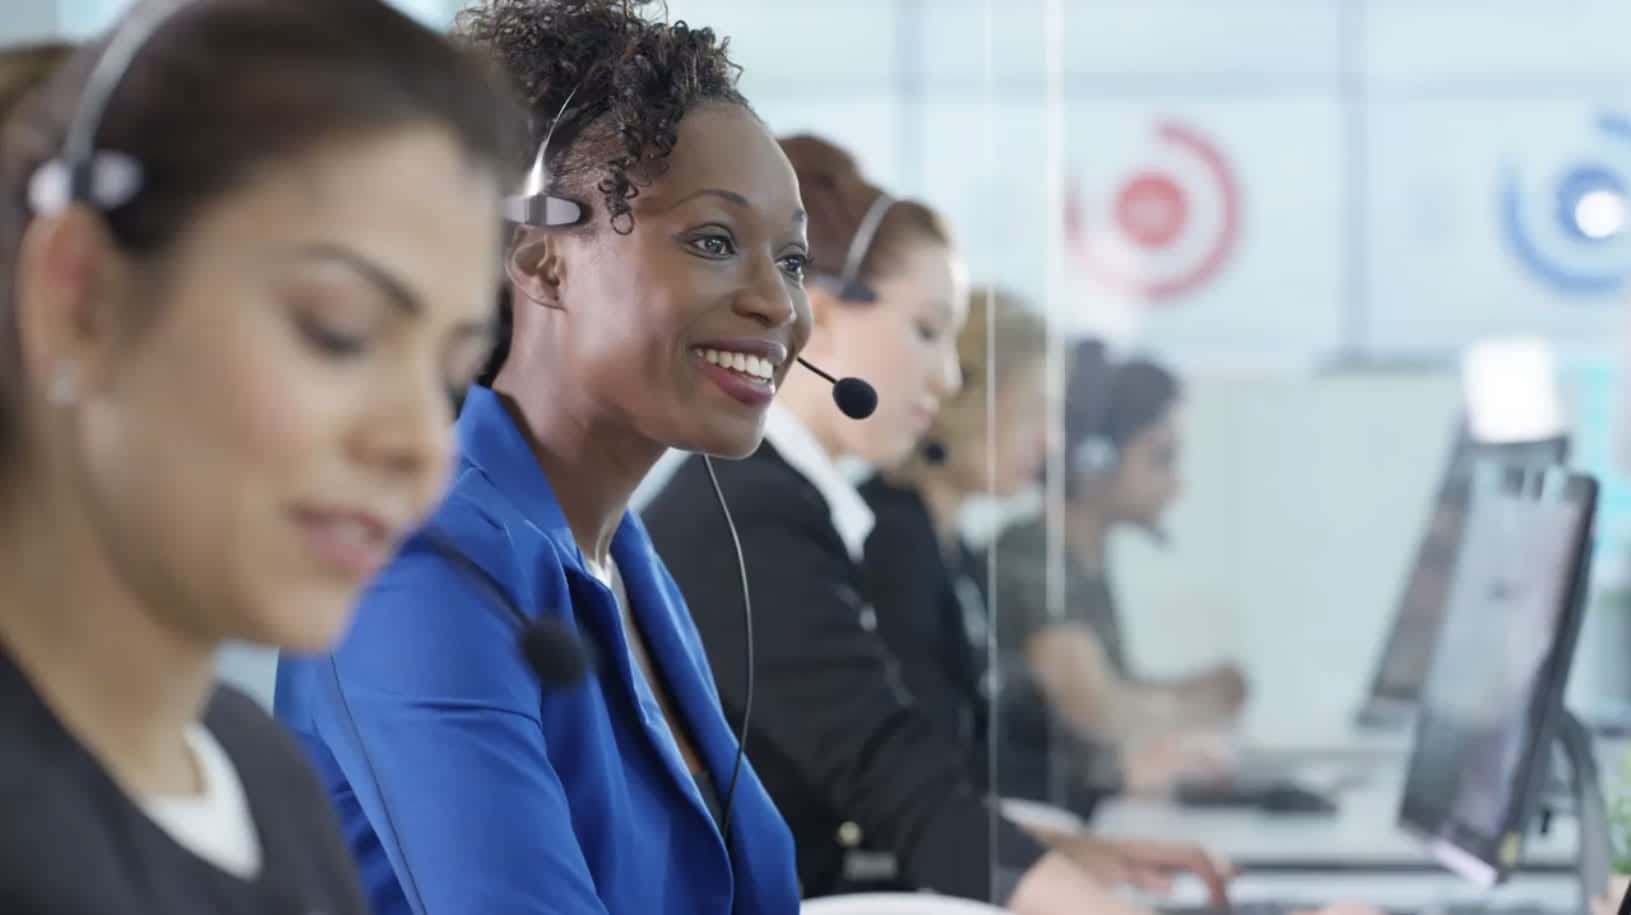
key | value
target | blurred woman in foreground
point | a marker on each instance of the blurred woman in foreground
(226, 357)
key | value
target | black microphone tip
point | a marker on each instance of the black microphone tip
(934, 452)
(557, 657)
(855, 398)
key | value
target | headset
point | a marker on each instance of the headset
(1097, 454)
(1094, 457)
(848, 285)
(102, 179)
(1094, 454)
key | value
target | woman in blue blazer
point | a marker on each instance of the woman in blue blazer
(655, 271)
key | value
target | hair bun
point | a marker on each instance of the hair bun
(630, 79)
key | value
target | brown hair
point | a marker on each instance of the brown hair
(1141, 392)
(837, 197)
(225, 87)
(24, 67)
(1003, 334)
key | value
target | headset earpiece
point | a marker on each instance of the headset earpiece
(536, 204)
(1094, 457)
(110, 181)
(80, 173)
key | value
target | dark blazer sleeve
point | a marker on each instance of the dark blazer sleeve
(906, 582)
(302, 820)
(828, 700)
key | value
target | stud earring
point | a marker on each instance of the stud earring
(64, 387)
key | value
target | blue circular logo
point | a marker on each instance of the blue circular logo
(1574, 232)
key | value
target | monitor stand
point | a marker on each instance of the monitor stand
(1595, 848)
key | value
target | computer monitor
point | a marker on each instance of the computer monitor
(1418, 617)
(1493, 697)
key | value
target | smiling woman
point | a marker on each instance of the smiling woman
(709, 256)
(247, 247)
(660, 306)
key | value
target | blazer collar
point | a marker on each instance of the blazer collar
(491, 441)
(851, 516)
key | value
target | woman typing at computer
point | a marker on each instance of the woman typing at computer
(936, 620)
(1122, 434)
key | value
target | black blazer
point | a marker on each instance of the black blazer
(849, 758)
(923, 614)
(936, 621)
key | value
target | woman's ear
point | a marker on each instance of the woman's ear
(535, 266)
(69, 273)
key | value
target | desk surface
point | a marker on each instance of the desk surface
(1339, 739)
(1363, 835)
(1420, 892)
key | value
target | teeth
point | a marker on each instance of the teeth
(747, 364)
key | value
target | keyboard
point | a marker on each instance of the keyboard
(1267, 796)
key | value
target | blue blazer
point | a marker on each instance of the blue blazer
(463, 788)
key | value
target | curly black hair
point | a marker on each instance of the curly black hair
(630, 80)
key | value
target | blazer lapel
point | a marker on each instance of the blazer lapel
(663, 620)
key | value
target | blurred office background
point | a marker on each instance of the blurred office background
(1310, 207)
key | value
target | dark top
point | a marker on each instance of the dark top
(1022, 566)
(931, 613)
(71, 841)
(1022, 612)
(937, 623)
(850, 759)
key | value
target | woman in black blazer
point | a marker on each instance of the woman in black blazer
(938, 623)
(875, 793)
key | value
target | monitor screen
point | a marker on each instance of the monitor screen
(1495, 685)
(1419, 615)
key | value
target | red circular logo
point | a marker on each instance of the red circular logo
(1167, 228)
(1150, 209)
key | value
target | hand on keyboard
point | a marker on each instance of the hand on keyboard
(1149, 866)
